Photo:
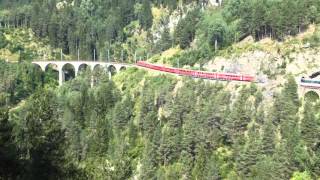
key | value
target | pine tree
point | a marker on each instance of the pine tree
(191, 135)
(9, 163)
(186, 28)
(240, 117)
(310, 127)
(283, 167)
(199, 169)
(248, 157)
(148, 113)
(265, 168)
(181, 34)
(268, 137)
(165, 42)
(3, 41)
(151, 156)
(187, 160)
(146, 17)
(43, 138)
(285, 110)
(123, 112)
(212, 117)
(212, 169)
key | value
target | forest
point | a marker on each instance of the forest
(194, 132)
(98, 26)
(140, 125)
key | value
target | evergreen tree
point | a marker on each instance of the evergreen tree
(248, 157)
(187, 160)
(148, 113)
(265, 169)
(199, 169)
(283, 167)
(212, 169)
(45, 138)
(309, 127)
(268, 137)
(151, 156)
(9, 163)
(3, 41)
(240, 117)
(186, 28)
(145, 16)
(123, 112)
(165, 42)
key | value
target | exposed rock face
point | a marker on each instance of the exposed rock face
(270, 68)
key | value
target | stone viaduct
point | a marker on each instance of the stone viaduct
(78, 65)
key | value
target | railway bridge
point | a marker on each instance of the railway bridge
(61, 67)
(309, 87)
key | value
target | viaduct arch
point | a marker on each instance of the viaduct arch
(59, 66)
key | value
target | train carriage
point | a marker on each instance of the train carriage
(199, 74)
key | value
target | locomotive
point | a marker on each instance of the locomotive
(198, 74)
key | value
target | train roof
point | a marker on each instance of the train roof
(196, 70)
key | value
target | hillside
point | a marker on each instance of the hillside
(22, 45)
(148, 125)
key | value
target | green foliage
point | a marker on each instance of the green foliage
(301, 176)
(314, 40)
(240, 117)
(165, 41)
(214, 31)
(169, 129)
(309, 126)
(9, 164)
(186, 28)
(146, 126)
(145, 15)
(261, 18)
(123, 112)
(42, 139)
(3, 40)
(191, 57)
(18, 81)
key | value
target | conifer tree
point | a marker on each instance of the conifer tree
(268, 138)
(9, 163)
(151, 156)
(165, 42)
(146, 17)
(123, 112)
(46, 140)
(212, 169)
(310, 127)
(199, 169)
(148, 113)
(248, 157)
(283, 167)
(187, 160)
(240, 117)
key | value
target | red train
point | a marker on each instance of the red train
(198, 74)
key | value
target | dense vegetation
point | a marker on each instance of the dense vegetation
(108, 28)
(155, 131)
(144, 126)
